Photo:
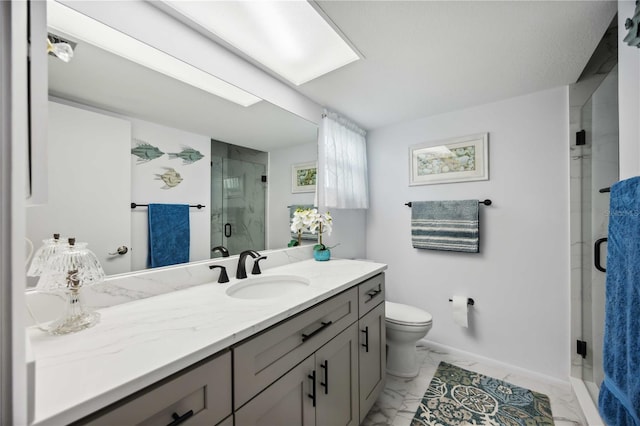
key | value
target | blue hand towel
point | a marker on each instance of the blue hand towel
(445, 225)
(169, 234)
(619, 399)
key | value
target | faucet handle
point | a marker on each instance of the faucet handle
(256, 265)
(221, 249)
(223, 277)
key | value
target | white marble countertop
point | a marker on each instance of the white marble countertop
(138, 343)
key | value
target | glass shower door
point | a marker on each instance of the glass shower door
(238, 204)
(599, 172)
(244, 202)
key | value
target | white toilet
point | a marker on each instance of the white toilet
(405, 325)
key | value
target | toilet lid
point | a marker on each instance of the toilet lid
(406, 315)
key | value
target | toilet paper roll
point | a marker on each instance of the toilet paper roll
(460, 311)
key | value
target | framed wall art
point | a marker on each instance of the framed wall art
(303, 177)
(459, 159)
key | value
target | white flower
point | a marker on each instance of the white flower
(310, 219)
(300, 220)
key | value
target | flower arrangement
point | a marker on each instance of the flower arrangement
(313, 221)
(300, 221)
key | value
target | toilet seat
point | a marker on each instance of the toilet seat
(397, 313)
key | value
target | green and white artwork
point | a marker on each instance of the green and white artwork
(454, 160)
(461, 159)
(303, 177)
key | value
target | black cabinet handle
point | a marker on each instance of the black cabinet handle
(322, 327)
(227, 230)
(312, 395)
(366, 338)
(596, 254)
(373, 293)
(325, 365)
(177, 419)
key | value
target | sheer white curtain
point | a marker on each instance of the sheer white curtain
(342, 165)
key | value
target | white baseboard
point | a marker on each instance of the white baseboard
(491, 361)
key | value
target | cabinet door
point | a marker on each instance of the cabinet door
(372, 360)
(288, 401)
(337, 380)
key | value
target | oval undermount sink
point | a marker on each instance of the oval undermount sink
(267, 287)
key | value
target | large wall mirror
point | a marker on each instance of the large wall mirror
(121, 133)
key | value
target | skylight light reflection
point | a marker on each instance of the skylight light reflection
(289, 37)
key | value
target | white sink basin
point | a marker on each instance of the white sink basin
(267, 287)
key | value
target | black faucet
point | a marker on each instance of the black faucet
(223, 277)
(256, 265)
(241, 271)
(221, 249)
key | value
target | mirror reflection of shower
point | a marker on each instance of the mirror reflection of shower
(238, 198)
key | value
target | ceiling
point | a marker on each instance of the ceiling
(420, 58)
(423, 58)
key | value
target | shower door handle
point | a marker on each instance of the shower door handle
(227, 230)
(596, 254)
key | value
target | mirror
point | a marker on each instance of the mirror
(121, 133)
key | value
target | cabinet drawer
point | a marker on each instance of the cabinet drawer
(370, 294)
(263, 359)
(205, 391)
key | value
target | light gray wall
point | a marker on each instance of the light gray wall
(348, 234)
(279, 188)
(520, 279)
(628, 96)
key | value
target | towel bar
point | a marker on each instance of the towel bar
(134, 205)
(470, 301)
(486, 202)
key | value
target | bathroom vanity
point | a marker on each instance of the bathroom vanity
(211, 354)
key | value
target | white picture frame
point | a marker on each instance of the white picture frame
(460, 159)
(303, 177)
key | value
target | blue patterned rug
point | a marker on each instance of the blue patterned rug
(461, 397)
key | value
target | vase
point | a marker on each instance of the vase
(322, 255)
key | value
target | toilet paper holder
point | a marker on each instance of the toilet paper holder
(470, 301)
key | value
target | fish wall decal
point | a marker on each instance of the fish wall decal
(146, 152)
(171, 178)
(188, 155)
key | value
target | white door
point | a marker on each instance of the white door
(89, 181)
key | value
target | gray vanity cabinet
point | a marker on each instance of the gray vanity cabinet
(325, 366)
(372, 348)
(201, 395)
(264, 358)
(322, 390)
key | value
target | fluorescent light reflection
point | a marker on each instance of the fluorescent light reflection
(74, 24)
(288, 37)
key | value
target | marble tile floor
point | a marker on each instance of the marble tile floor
(399, 400)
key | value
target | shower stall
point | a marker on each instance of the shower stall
(238, 197)
(594, 168)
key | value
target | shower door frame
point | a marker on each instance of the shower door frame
(579, 94)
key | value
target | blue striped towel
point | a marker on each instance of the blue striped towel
(445, 225)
